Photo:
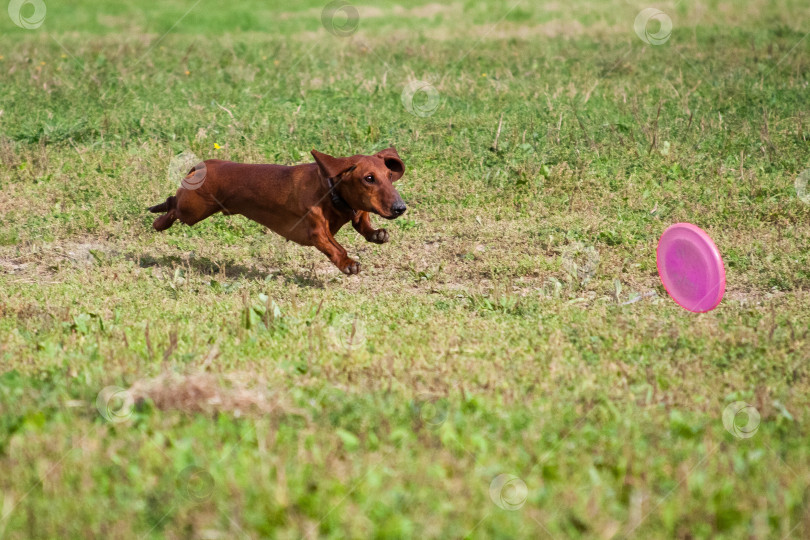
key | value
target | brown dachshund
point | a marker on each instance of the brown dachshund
(307, 204)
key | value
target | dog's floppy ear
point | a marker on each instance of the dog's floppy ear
(332, 167)
(393, 162)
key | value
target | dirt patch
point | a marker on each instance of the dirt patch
(43, 260)
(752, 298)
(427, 11)
(208, 393)
(370, 12)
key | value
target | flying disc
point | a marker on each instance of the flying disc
(691, 268)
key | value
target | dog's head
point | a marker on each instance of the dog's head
(366, 182)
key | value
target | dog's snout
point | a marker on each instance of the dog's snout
(399, 208)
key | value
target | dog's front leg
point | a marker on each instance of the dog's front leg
(326, 243)
(362, 224)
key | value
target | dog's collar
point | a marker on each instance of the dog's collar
(337, 200)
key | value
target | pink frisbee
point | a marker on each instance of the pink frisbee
(691, 268)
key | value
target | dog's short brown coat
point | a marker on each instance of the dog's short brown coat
(307, 203)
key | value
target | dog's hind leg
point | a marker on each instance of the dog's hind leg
(166, 220)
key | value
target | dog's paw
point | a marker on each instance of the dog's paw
(380, 236)
(350, 267)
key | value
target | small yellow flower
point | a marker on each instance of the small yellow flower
(188, 72)
(1, 57)
(64, 56)
(42, 63)
(483, 74)
(276, 62)
(217, 146)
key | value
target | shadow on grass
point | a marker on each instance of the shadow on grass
(229, 270)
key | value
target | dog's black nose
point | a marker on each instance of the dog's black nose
(399, 208)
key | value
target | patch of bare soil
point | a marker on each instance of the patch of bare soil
(39, 262)
(209, 393)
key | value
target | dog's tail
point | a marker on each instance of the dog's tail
(165, 206)
(166, 220)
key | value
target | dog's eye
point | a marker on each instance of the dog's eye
(369, 179)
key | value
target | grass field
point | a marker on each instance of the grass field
(217, 381)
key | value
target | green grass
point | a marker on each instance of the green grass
(271, 396)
